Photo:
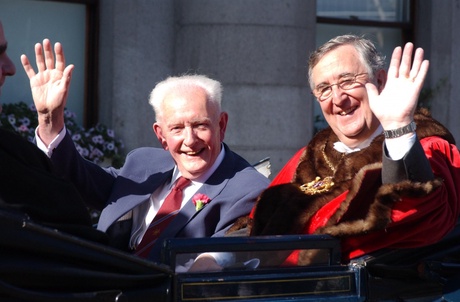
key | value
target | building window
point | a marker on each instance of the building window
(71, 22)
(387, 22)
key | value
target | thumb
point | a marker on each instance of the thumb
(67, 74)
(372, 92)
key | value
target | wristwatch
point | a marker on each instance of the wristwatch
(400, 131)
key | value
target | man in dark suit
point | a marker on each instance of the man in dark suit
(190, 125)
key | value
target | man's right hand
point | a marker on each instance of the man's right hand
(49, 87)
(205, 263)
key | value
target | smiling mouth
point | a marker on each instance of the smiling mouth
(348, 111)
(193, 153)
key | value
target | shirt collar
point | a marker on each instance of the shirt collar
(342, 148)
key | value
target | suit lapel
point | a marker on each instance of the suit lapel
(211, 188)
(185, 215)
(188, 211)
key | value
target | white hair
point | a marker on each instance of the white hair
(212, 88)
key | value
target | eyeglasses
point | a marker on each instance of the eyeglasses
(323, 92)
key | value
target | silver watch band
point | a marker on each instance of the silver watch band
(400, 131)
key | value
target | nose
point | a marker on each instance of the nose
(7, 66)
(337, 95)
(190, 136)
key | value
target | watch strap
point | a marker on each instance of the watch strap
(394, 133)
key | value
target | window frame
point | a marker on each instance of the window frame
(407, 28)
(91, 96)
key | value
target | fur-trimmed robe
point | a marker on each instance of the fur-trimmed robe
(367, 205)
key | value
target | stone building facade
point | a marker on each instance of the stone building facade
(258, 49)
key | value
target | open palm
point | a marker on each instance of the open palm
(396, 104)
(50, 86)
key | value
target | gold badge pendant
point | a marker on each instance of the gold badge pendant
(317, 186)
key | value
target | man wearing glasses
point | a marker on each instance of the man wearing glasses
(382, 175)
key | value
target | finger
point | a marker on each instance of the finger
(27, 67)
(373, 98)
(49, 57)
(67, 75)
(406, 61)
(66, 79)
(39, 59)
(423, 71)
(416, 65)
(393, 70)
(60, 58)
(372, 92)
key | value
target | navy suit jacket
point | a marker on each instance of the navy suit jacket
(232, 188)
(29, 185)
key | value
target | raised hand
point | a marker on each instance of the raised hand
(50, 86)
(395, 105)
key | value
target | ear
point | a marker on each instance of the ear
(160, 136)
(223, 119)
(381, 79)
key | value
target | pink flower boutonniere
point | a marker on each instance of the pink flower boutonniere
(200, 200)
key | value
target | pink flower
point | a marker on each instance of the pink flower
(200, 200)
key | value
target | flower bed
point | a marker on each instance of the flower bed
(97, 144)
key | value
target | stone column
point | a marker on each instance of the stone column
(136, 51)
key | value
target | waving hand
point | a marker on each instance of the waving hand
(396, 104)
(50, 86)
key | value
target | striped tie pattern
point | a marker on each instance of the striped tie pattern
(168, 210)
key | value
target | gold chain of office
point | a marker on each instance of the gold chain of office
(318, 185)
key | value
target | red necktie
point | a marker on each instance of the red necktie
(168, 210)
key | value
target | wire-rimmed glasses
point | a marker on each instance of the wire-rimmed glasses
(347, 82)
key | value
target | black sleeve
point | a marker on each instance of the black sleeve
(414, 166)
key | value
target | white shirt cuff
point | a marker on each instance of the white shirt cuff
(398, 147)
(54, 143)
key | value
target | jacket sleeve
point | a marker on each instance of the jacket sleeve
(93, 182)
(423, 220)
(413, 166)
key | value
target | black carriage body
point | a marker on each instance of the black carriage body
(42, 264)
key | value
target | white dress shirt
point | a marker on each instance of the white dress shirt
(397, 147)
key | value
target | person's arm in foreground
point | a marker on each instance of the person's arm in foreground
(50, 87)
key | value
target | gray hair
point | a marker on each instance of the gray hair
(370, 57)
(212, 88)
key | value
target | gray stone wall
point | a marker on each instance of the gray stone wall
(136, 51)
(258, 49)
(437, 32)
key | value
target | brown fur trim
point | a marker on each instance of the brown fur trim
(281, 210)
(357, 198)
(379, 215)
(244, 222)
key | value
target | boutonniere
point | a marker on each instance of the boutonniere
(199, 200)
